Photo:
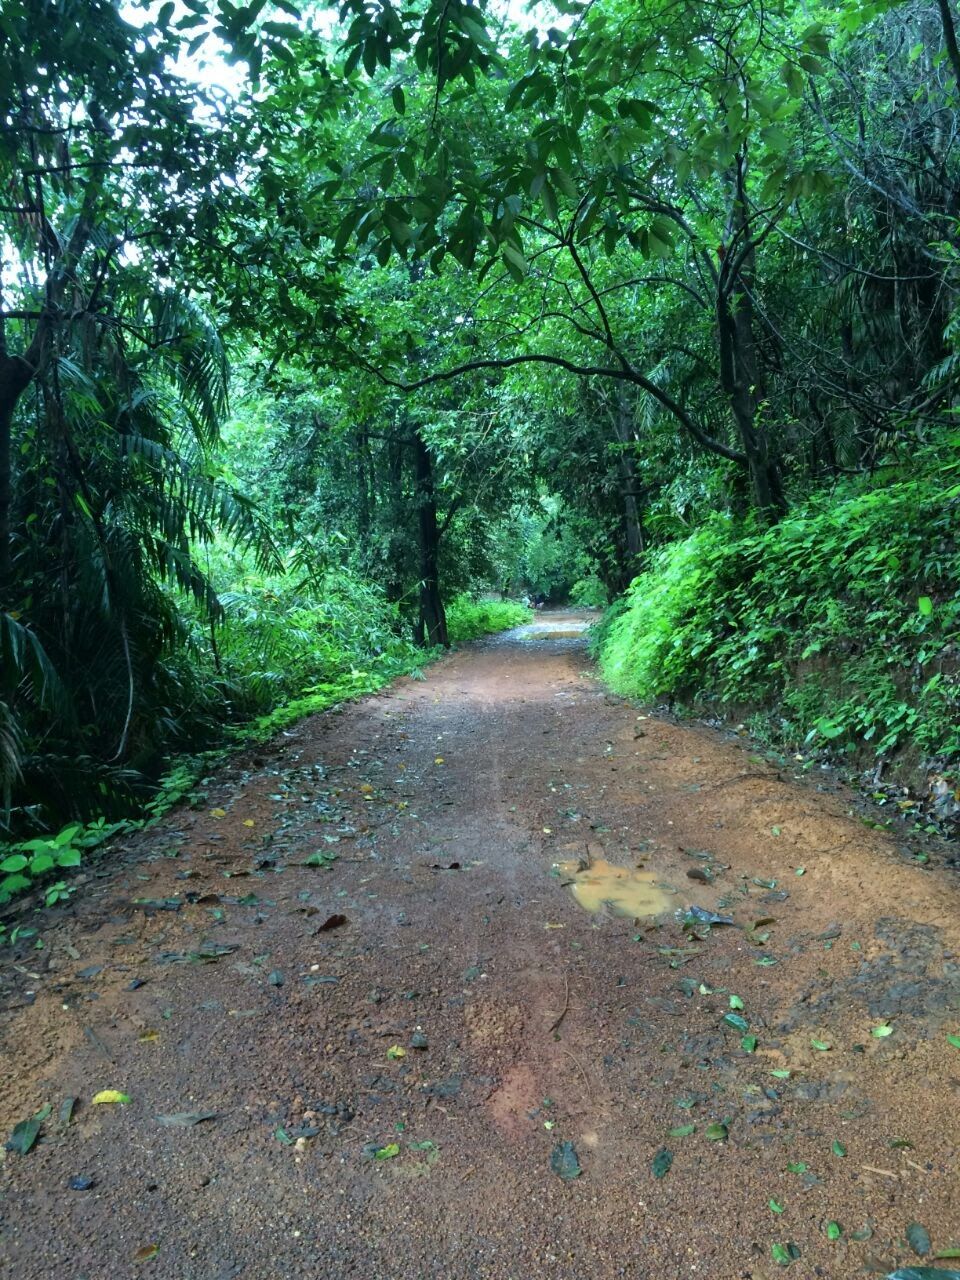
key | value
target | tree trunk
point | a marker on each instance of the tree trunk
(632, 532)
(739, 369)
(363, 489)
(433, 621)
(15, 376)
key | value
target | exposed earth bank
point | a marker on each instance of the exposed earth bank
(391, 1045)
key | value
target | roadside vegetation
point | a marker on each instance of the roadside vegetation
(835, 630)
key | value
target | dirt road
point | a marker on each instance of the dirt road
(395, 1045)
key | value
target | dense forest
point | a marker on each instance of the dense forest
(327, 333)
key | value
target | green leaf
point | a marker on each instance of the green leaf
(25, 1134)
(954, 1040)
(838, 1148)
(797, 1167)
(780, 1254)
(821, 1045)
(564, 1161)
(399, 101)
(775, 1206)
(748, 1044)
(682, 1131)
(716, 1132)
(185, 1119)
(737, 1021)
(923, 1273)
(781, 1074)
(833, 1231)
(736, 1002)
(319, 859)
(925, 605)
(660, 1165)
(882, 1031)
(918, 1237)
(16, 862)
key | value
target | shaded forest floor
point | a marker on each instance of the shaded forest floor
(208, 972)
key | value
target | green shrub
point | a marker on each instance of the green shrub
(286, 638)
(468, 618)
(844, 617)
(589, 593)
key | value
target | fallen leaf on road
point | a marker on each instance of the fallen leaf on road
(333, 922)
(564, 1161)
(918, 1237)
(25, 1133)
(186, 1119)
(110, 1095)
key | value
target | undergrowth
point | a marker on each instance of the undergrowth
(468, 618)
(842, 621)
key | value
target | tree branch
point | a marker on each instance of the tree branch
(627, 374)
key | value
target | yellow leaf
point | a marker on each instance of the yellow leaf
(218, 813)
(548, 925)
(148, 1037)
(110, 1095)
(249, 822)
(395, 1051)
(146, 1253)
(548, 831)
(366, 788)
(438, 760)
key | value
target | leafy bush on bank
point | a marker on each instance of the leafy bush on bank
(469, 618)
(843, 619)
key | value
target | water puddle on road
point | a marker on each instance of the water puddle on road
(566, 633)
(626, 891)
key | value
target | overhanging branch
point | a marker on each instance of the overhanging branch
(626, 374)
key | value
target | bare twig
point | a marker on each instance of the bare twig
(566, 1005)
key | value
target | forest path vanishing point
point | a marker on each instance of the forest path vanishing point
(373, 1066)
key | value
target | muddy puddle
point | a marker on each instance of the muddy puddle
(557, 633)
(626, 891)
